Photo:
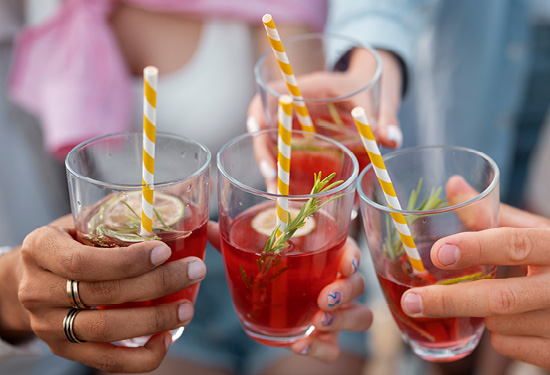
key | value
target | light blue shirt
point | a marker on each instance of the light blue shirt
(466, 64)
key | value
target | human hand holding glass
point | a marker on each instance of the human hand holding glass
(421, 173)
(516, 310)
(50, 256)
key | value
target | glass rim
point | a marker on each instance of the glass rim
(355, 43)
(344, 185)
(393, 154)
(131, 187)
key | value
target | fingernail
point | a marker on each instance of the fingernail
(160, 254)
(252, 125)
(305, 350)
(328, 318)
(334, 298)
(395, 134)
(196, 270)
(185, 312)
(448, 255)
(354, 265)
(412, 304)
(167, 341)
(267, 170)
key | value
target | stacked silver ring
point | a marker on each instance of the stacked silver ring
(73, 295)
(68, 326)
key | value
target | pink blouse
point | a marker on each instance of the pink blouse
(70, 73)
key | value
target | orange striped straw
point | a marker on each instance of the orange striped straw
(283, 160)
(379, 167)
(150, 78)
(286, 70)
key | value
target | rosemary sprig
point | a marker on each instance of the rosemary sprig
(394, 246)
(275, 246)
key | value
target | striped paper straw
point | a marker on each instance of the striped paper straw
(150, 78)
(379, 167)
(286, 70)
(283, 160)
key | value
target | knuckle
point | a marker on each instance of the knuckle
(502, 301)
(75, 263)
(99, 329)
(520, 249)
(107, 290)
(163, 277)
(161, 319)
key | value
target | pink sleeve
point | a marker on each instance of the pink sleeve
(308, 12)
(70, 74)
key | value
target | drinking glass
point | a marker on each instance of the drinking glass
(312, 57)
(275, 293)
(426, 176)
(105, 182)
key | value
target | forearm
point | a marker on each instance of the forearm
(14, 321)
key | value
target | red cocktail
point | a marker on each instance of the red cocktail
(275, 288)
(276, 295)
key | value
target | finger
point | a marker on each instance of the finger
(534, 350)
(108, 325)
(351, 317)
(477, 215)
(351, 258)
(388, 131)
(531, 323)
(55, 250)
(480, 298)
(111, 358)
(169, 278)
(340, 292)
(320, 345)
(514, 217)
(501, 246)
(213, 235)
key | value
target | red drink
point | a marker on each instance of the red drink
(275, 296)
(427, 333)
(185, 237)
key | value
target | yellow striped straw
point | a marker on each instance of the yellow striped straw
(286, 70)
(150, 78)
(379, 167)
(283, 160)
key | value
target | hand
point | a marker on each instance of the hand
(50, 256)
(516, 310)
(338, 310)
(315, 85)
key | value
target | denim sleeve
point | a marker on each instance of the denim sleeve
(392, 25)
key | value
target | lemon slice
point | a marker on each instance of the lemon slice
(266, 221)
(122, 209)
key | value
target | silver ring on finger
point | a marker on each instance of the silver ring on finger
(73, 294)
(68, 326)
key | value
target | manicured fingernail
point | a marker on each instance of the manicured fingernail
(328, 318)
(167, 341)
(185, 312)
(305, 350)
(354, 265)
(395, 134)
(334, 298)
(412, 304)
(196, 270)
(160, 254)
(448, 255)
(252, 125)
(267, 170)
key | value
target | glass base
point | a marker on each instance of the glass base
(276, 338)
(142, 340)
(445, 352)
